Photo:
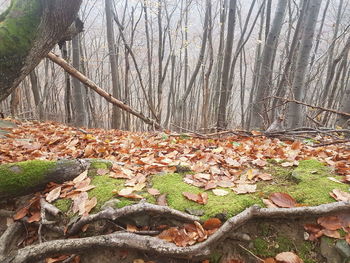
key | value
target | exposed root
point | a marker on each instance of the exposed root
(156, 245)
(142, 207)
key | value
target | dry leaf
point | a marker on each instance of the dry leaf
(161, 200)
(282, 200)
(212, 223)
(245, 188)
(53, 194)
(288, 257)
(330, 222)
(80, 177)
(21, 213)
(153, 191)
(340, 195)
(220, 192)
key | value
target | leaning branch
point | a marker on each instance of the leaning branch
(311, 106)
(89, 83)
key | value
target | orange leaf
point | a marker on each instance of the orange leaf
(282, 200)
(21, 213)
(35, 217)
(212, 223)
(330, 222)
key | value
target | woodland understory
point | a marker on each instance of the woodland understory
(168, 197)
(246, 157)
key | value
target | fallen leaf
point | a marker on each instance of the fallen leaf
(161, 200)
(212, 223)
(53, 194)
(101, 171)
(220, 192)
(153, 191)
(282, 200)
(80, 177)
(331, 233)
(265, 177)
(89, 204)
(125, 191)
(245, 188)
(201, 198)
(330, 222)
(21, 213)
(288, 257)
(35, 217)
(340, 195)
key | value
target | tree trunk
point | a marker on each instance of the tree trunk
(30, 29)
(259, 113)
(221, 122)
(295, 117)
(77, 92)
(116, 115)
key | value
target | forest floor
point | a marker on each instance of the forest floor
(180, 190)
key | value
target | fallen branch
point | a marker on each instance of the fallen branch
(161, 247)
(142, 207)
(310, 106)
(89, 83)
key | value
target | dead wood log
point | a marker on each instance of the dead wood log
(23, 178)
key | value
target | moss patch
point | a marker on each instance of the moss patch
(173, 186)
(21, 175)
(308, 183)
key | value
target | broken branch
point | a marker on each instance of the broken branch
(89, 83)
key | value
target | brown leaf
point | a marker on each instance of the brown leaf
(35, 217)
(331, 233)
(89, 204)
(153, 191)
(282, 200)
(101, 171)
(244, 188)
(53, 194)
(80, 177)
(340, 195)
(21, 213)
(288, 257)
(201, 198)
(212, 223)
(161, 200)
(330, 222)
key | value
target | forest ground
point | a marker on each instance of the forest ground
(208, 184)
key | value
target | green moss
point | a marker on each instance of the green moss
(23, 175)
(283, 244)
(261, 248)
(308, 183)
(105, 186)
(304, 251)
(63, 204)
(99, 164)
(173, 186)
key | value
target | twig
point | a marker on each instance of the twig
(311, 106)
(251, 253)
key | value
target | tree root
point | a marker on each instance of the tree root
(156, 245)
(142, 207)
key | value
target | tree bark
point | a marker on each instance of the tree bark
(264, 89)
(34, 175)
(29, 30)
(295, 117)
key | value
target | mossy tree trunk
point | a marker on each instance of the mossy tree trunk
(23, 178)
(29, 29)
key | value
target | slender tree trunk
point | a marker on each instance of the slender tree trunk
(36, 93)
(116, 114)
(78, 101)
(221, 121)
(264, 88)
(295, 116)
